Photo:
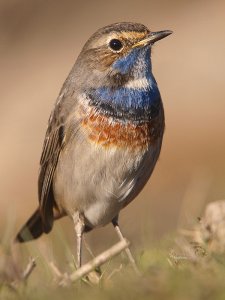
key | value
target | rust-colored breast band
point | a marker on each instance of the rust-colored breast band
(107, 132)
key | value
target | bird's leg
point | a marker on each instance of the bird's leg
(79, 228)
(128, 252)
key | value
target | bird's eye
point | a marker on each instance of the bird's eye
(115, 45)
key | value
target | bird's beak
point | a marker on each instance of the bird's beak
(152, 38)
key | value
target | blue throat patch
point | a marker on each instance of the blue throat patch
(130, 103)
(138, 59)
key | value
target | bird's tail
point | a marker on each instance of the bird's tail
(32, 229)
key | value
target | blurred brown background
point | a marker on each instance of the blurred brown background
(39, 42)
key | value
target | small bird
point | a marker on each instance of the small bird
(104, 134)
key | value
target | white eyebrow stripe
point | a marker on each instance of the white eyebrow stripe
(140, 84)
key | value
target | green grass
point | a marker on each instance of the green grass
(169, 271)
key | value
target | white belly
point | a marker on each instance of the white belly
(98, 182)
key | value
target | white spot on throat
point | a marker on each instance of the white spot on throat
(139, 83)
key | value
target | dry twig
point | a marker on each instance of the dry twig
(66, 279)
(30, 267)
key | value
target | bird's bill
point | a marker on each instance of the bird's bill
(152, 38)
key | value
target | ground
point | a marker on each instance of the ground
(173, 268)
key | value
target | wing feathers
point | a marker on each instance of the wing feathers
(51, 150)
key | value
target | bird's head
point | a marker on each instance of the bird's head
(116, 53)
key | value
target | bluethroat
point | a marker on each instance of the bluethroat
(104, 134)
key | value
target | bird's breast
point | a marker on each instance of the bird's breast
(106, 131)
(127, 116)
(106, 161)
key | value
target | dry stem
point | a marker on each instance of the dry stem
(66, 279)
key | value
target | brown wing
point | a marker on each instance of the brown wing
(51, 149)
